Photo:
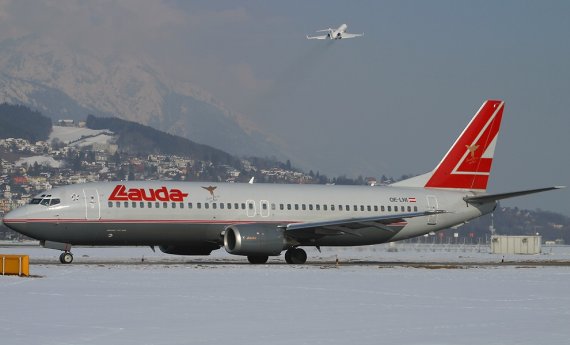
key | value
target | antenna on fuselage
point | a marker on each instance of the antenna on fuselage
(251, 180)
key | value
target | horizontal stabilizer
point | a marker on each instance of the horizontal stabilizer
(481, 199)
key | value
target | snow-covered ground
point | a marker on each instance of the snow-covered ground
(192, 302)
(80, 136)
(41, 160)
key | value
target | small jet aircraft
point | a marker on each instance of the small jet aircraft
(334, 34)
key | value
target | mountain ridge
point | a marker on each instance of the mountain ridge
(62, 83)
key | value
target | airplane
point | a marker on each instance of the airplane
(334, 34)
(259, 220)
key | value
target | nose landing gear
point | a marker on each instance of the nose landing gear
(66, 258)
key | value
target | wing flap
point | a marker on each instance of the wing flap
(350, 226)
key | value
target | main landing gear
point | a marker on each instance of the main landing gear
(295, 256)
(66, 258)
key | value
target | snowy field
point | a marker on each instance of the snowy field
(213, 300)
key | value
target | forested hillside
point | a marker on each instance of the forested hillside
(18, 121)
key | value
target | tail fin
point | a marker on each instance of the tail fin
(467, 164)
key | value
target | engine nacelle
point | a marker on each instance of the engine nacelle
(205, 249)
(254, 239)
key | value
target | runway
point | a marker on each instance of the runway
(413, 296)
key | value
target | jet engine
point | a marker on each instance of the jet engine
(254, 240)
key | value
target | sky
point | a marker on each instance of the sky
(389, 103)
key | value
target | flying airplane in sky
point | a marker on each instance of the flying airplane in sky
(260, 220)
(334, 34)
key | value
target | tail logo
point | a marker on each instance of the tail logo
(467, 165)
(472, 148)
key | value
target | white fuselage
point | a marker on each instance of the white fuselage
(193, 213)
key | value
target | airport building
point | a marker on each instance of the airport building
(515, 244)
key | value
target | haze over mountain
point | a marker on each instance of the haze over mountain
(389, 103)
(63, 83)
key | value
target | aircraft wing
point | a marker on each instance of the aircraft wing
(323, 37)
(311, 230)
(481, 199)
(346, 35)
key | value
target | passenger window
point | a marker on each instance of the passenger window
(243, 206)
(250, 205)
(296, 207)
(264, 206)
(110, 204)
(164, 205)
(361, 207)
(303, 207)
(173, 205)
(190, 205)
(317, 207)
(409, 208)
(389, 208)
(229, 205)
(157, 204)
(222, 205)
(206, 205)
(375, 208)
(382, 208)
(273, 207)
(126, 204)
(199, 205)
(214, 205)
(181, 205)
(340, 207)
(325, 207)
(149, 204)
(141, 204)
(332, 207)
(355, 207)
(415, 209)
(118, 204)
(281, 207)
(347, 207)
(289, 206)
(310, 207)
(236, 206)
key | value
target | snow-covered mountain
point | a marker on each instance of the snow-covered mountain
(63, 83)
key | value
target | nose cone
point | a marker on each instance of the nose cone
(17, 219)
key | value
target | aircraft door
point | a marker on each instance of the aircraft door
(92, 204)
(264, 208)
(251, 211)
(432, 206)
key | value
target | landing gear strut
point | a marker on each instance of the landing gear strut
(66, 258)
(295, 256)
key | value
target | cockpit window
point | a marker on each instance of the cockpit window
(46, 201)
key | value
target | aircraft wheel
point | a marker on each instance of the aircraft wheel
(295, 256)
(257, 259)
(66, 258)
